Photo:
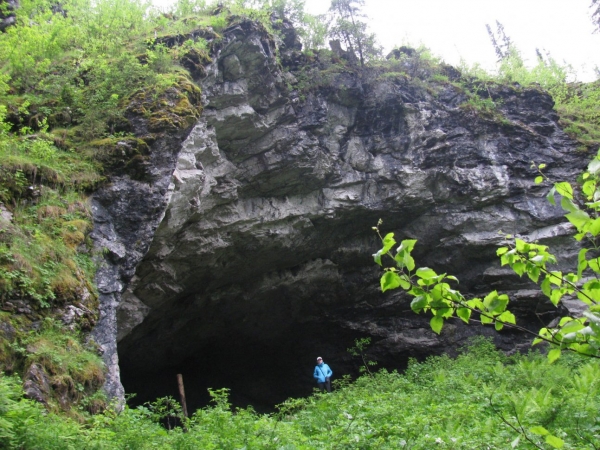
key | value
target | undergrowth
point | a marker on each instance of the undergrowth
(463, 403)
(64, 370)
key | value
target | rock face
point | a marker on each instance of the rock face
(249, 253)
(126, 214)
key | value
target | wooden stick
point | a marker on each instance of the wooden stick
(182, 394)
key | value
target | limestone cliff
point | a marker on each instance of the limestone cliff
(247, 250)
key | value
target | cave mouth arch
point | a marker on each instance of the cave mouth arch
(253, 315)
(258, 331)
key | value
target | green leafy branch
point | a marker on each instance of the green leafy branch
(553, 441)
(359, 349)
(432, 291)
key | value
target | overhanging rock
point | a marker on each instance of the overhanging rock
(261, 258)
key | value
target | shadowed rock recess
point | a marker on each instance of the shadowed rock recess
(248, 253)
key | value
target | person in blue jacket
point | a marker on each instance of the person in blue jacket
(323, 375)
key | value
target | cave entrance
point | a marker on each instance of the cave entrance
(258, 373)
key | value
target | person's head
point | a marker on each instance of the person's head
(319, 360)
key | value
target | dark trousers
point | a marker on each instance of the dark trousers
(325, 385)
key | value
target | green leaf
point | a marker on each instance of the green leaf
(452, 277)
(404, 282)
(519, 268)
(418, 303)
(585, 295)
(542, 166)
(498, 325)
(494, 303)
(546, 287)
(556, 296)
(388, 243)
(594, 264)
(437, 322)
(514, 443)
(564, 189)
(464, 314)
(407, 245)
(377, 257)
(534, 274)
(539, 179)
(475, 303)
(501, 251)
(554, 441)
(550, 196)
(521, 246)
(588, 188)
(485, 319)
(507, 317)
(594, 227)
(568, 205)
(579, 219)
(553, 355)
(556, 278)
(572, 327)
(426, 273)
(409, 262)
(390, 280)
(594, 166)
(539, 430)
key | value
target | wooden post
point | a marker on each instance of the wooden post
(182, 394)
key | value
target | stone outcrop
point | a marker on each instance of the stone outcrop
(249, 250)
(7, 15)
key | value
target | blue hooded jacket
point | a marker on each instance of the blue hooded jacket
(321, 372)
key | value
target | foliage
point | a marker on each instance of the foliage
(359, 349)
(596, 13)
(576, 103)
(502, 43)
(70, 76)
(580, 113)
(432, 291)
(16, 413)
(315, 31)
(473, 401)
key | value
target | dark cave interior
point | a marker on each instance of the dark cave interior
(257, 373)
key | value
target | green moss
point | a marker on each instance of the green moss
(176, 107)
(72, 369)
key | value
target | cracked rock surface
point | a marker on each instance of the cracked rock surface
(249, 253)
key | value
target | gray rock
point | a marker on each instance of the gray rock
(7, 16)
(251, 247)
(36, 385)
